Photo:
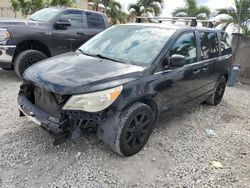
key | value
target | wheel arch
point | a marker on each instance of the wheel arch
(32, 45)
(153, 105)
(226, 76)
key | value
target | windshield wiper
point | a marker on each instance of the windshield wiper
(81, 51)
(108, 58)
(32, 19)
(99, 55)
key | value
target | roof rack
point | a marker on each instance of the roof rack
(193, 21)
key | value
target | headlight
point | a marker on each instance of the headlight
(93, 102)
(4, 35)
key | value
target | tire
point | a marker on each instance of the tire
(131, 136)
(27, 58)
(219, 91)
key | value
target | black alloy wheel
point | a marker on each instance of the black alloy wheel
(136, 132)
(220, 90)
(135, 128)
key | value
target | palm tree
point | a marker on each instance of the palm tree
(67, 3)
(146, 7)
(96, 4)
(113, 9)
(238, 16)
(15, 5)
(192, 10)
(24, 7)
(36, 5)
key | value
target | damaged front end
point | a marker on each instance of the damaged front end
(46, 109)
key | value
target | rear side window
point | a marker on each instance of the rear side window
(225, 44)
(95, 21)
(186, 46)
(75, 17)
(209, 45)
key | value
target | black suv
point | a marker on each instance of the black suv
(121, 80)
(46, 33)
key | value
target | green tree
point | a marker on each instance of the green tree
(96, 4)
(239, 15)
(192, 10)
(67, 3)
(15, 5)
(24, 7)
(145, 7)
(35, 5)
(27, 6)
(113, 9)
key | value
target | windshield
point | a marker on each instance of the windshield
(133, 44)
(44, 15)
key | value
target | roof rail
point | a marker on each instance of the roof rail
(193, 21)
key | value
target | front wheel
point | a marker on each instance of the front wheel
(134, 130)
(219, 91)
(27, 58)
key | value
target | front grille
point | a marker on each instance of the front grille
(47, 101)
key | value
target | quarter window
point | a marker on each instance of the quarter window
(95, 20)
(75, 17)
(209, 45)
(186, 46)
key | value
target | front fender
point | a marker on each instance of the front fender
(107, 131)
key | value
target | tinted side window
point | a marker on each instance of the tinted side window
(75, 17)
(186, 46)
(209, 45)
(95, 20)
(225, 44)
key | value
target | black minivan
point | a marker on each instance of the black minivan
(120, 81)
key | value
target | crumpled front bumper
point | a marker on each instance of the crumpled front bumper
(46, 121)
(6, 55)
(71, 126)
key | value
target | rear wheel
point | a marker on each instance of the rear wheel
(27, 58)
(218, 94)
(135, 129)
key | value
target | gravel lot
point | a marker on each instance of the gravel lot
(179, 154)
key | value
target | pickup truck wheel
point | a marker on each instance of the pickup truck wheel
(219, 91)
(27, 58)
(134, 130)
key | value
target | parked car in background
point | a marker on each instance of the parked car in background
(120, 81)
(46, 33)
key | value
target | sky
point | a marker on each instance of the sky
(170, 5)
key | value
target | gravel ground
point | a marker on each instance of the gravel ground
(179, 154)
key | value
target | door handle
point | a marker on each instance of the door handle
(204, 68)
(79, 33)
(196, 71)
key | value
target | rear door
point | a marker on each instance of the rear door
(209, 53)
(226, 58)
(95, 22)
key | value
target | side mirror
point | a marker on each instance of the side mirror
(61, 24)
(177, 60)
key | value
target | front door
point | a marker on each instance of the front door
(183, 82)
(69, 38)
(78, 27)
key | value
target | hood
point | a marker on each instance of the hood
(75, 73)
(18, 22)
